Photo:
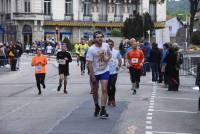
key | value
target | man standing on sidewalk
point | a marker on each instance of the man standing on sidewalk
(63, 57)
(39, 61)
(98, 56)
(114, 65)
(135, 57)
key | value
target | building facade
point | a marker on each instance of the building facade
(56, 19)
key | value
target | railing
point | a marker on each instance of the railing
(87, 17)
(118, 18)
(69, 16)
(103, 18)
(189, 65)
(18, 14)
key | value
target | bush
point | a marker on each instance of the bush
(116, 32)
(195, 38)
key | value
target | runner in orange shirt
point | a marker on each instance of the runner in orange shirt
(39, 61)
(135, 58)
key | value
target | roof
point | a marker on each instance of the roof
(157, 25)
(169, 18)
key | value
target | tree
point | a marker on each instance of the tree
(194, 8)
(137, 26)
(116, 32)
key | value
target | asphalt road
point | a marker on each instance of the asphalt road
(154, 110)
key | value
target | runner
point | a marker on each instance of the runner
(135, 57)
(39, 61)
(82, 50)
(98, 56)
(63, 58)
(76, 47)
(114, 66)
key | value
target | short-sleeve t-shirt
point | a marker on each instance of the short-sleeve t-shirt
(96, 55)
(39, 62)
(135, 58)
(113, 63)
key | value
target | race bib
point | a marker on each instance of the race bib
(38, 68)
(134, 60)
(61, 61)
(101, 66)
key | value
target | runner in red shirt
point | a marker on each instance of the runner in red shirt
(135, 58)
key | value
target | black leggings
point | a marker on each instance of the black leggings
(40, 80)
(83, 62)
(135, 75)
(111, 87)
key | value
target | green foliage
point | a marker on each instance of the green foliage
(138, 26)
(195, 38)
(68, 43)
(116, 32)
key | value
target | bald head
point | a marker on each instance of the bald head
(133, 43)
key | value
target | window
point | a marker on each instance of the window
(131, 8)
(118, 9)
(68, 7)
(27, 6)
(47, 7)
(86, 8)
(152, 11)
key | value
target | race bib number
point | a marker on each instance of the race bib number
(134, 60)
(62, 62)
(101, 66)
(38, 68)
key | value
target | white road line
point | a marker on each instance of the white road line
(176, 98)
(149, 118)
(151, 110)
(152, 101)
(168, 111)
(151, 104)
(15, 110)
(148, 132)
(151, 107)
(149, 114)
(149, 122)
(156, 132)
(148, 127)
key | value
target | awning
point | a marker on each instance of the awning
(157, 25)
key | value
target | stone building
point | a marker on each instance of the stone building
(56, 19)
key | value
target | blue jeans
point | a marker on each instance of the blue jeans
(155, 71)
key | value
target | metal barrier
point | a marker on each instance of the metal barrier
(189, 64)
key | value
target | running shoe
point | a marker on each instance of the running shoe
(96, 112)
(103, 114)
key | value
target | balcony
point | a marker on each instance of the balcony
(87, 17)
(48, 16)
(69, 16)
(118, 18)
(27, 16)
(103, 18)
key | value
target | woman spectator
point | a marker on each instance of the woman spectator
(173, 60)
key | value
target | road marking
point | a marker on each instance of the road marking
(168, 111)
(196, 88)
(171, 98)
(149, 114)
(151, 107)
(152, 101)
(15, 110)
(148, 127)
(149, 118)
(151, 104)
(156, 132)
(151, 110)
(148, 132)
(149, 122)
